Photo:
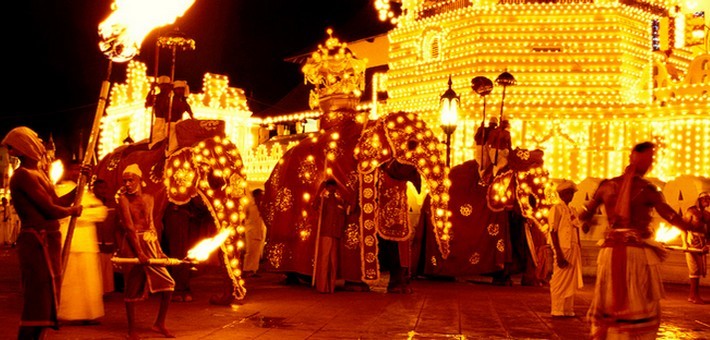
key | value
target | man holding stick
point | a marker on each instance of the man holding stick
(331, 227)
(141, 241)
(40, 241)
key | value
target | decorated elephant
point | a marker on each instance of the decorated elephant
(210, 168)
(498, 214)
(371, 160)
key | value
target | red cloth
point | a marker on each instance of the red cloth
(39, 254)
(191, 131)
(480, 241)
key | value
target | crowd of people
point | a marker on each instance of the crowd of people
(627, 291)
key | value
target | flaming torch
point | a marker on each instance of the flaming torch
(121, 36)
(666, 233)
(197, 254)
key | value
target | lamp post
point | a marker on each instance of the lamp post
(449, 105)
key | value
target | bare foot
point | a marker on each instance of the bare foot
(162, 330)
(696, 300)
(133, 336)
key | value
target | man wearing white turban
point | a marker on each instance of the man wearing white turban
(39, 243)
(141, 241)
(567, 267)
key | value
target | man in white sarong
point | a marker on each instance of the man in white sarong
(255, 232)
(567, 268)
(82, 286)
(626, 303)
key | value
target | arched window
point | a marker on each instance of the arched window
(431, 46)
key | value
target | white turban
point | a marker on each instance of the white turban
(133, 169)
(26, 142)
(566, 184)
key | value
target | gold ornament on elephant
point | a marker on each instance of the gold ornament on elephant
(352, 236)
(500, 245)
(276, 255)
(493, 229)
(466, 210)
(307, 171)
(368, 208)
(475, 258)
(284, 199)
(367, 193)
(369, 240)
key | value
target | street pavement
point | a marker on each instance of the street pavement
(461, 309)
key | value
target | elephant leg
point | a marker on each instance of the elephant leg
(389, 261)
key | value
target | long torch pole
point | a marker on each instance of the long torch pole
(152, 90)
(86, 161)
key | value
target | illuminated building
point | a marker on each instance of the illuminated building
(592, 79)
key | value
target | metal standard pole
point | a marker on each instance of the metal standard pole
(155, 80)
(170, 105)
(483, 133)
(448, 149)
(500, 123)
(86, 161)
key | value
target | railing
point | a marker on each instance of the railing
(442, 7)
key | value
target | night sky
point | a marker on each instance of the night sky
(54, 69)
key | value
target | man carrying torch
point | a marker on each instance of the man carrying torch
(141, 241)
(629, 288)
(40, 241)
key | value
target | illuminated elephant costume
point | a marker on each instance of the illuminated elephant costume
(211, 168)
(498, 220)
(371, 160)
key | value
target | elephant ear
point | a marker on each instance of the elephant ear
(536, 195)
(413, 143)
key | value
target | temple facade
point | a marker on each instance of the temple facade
(593, 78)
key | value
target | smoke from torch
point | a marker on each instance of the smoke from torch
(122, 33)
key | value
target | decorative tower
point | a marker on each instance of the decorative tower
(338, 77)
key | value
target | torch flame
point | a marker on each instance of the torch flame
(122, 33)
(202, 250)
(666, 233)
(56, 170)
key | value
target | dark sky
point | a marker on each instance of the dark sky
(54, 69)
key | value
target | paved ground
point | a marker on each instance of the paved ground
(436, 310)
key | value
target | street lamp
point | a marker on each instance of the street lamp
(449, 111)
